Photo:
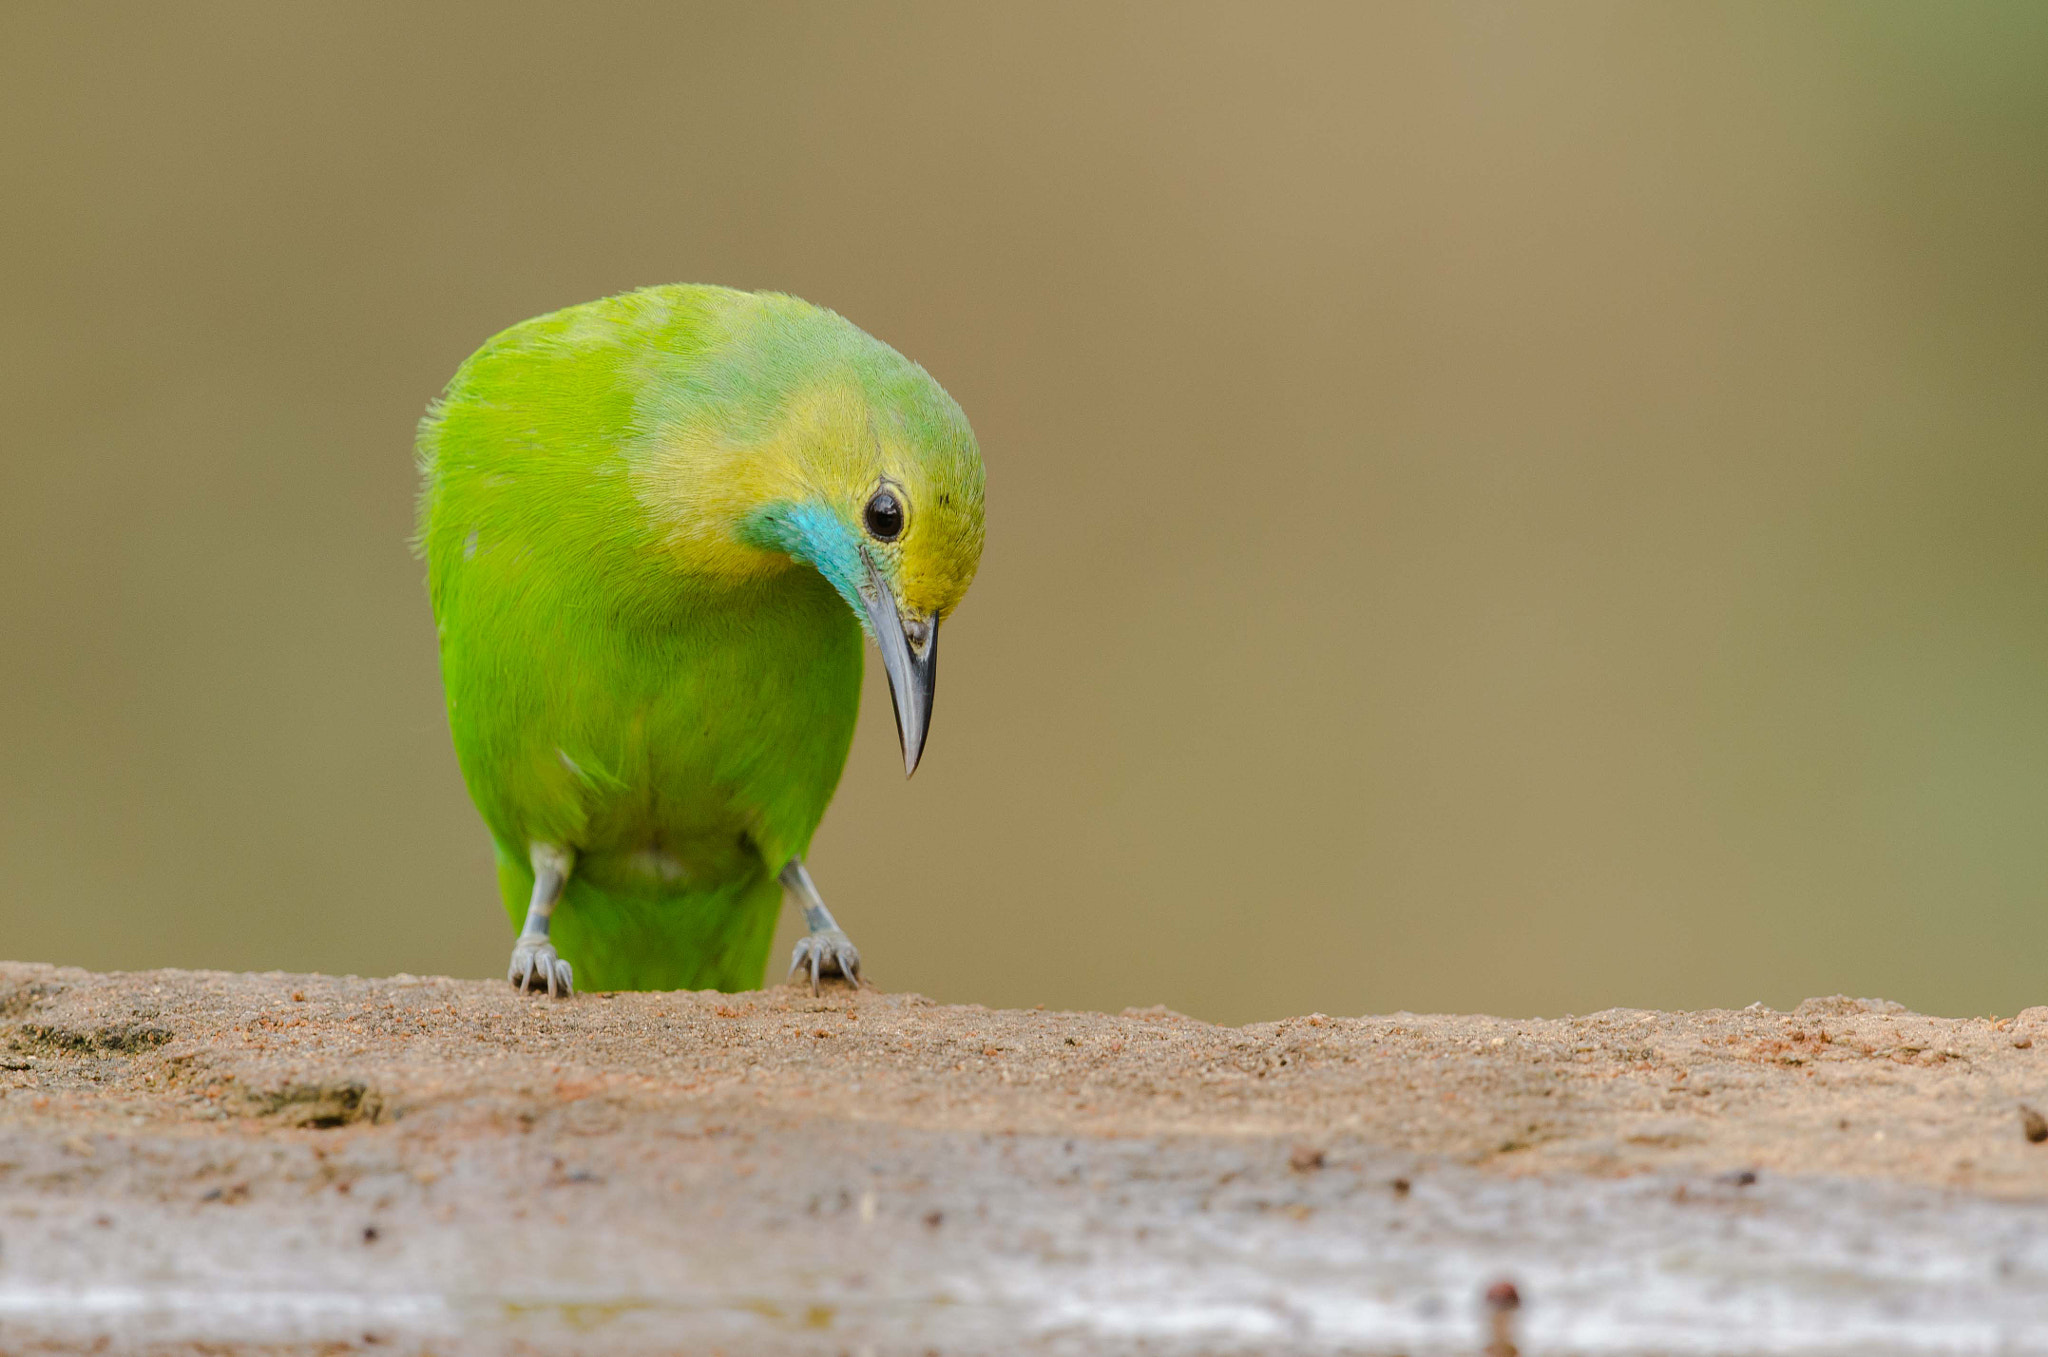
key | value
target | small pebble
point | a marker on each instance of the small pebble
(2034, 1124)
(1305, 1158)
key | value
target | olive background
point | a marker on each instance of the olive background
(1521, 508)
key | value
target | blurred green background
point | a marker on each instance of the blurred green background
(1518, 508)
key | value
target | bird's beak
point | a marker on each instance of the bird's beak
(910, 653)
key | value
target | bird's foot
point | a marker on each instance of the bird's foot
(826, 952)
(535, 966)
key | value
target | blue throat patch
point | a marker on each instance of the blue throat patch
(821, 539)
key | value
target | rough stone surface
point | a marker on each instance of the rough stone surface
(205, 1162)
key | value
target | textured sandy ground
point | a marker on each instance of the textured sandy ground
(215, 1162)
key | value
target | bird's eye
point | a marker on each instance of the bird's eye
(884, 515)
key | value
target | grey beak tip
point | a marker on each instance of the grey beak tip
(911, 736)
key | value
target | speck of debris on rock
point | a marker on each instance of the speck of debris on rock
(1401, 1187)
(1305, 1158)
(2034, 1124)
(1502, 1300)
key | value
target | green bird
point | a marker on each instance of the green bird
(655, 528)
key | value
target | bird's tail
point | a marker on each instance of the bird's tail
(659, 938)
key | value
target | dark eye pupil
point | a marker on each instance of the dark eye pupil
(885, 516)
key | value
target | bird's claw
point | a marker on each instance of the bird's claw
(829, 952)
(535, 967)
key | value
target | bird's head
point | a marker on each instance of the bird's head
(795, 438)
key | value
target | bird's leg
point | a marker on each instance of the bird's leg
(534, 963)
(825, 948)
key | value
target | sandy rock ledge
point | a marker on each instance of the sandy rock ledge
(203, 1162)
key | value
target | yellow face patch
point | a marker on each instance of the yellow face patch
(827, 445)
